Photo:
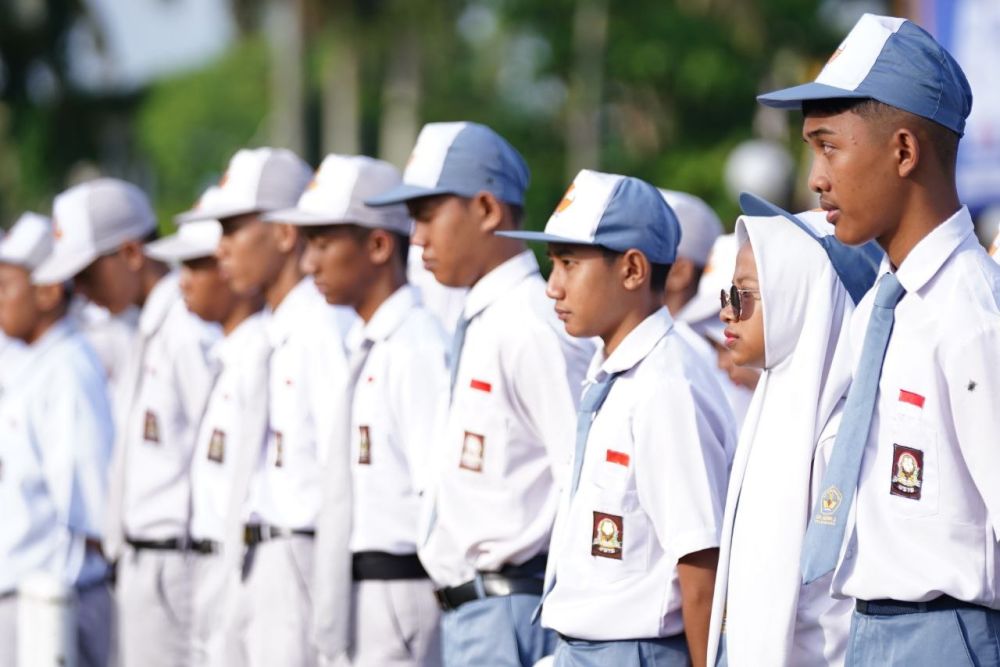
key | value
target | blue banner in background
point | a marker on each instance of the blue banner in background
(970, 30)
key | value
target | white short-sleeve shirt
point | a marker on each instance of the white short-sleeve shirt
(652, 490)
(161, 423)
(508, 434)
(308, 374)
(927, 510)
(221, 435)
(56, 435)
(398, 397)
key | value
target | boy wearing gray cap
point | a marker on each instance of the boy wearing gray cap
(280, 502)
(398, 377)
(505, 445)
(100, 227)
(910, 510)
(56, 435)
(634, 549)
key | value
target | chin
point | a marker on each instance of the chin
(852, 234)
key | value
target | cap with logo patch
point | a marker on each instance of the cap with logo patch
(857, 266)
(194, 240)
(92, 219)
(700, 226)
(615, 212)
(257, 180)
(893, 61)
(337, 193)
(28, 243)
(461, 159)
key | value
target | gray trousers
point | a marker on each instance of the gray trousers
(154, 608)
(270, 620)
(94, 619)
(396, 624)
(213, 596)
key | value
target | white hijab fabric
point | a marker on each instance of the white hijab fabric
(806, 315)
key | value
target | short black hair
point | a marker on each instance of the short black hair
(361, 234)
(657, 272)
(887, 117)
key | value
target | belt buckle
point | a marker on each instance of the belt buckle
(442, 599)
(251, 534)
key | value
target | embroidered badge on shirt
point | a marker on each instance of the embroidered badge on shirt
(907, 472)
(365, 453)
(279, 446)
(607, 538)
(473, 448)
(151, 427)
(217, 446)
(829, 503)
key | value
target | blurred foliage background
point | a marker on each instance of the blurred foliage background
(654, 88)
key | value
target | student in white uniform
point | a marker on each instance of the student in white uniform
(702, 315)
(56, 435)
(9, 347)
(227, 432)
(101, 228)
(514, 375)
(307, 368)
(399, 379)
(787, 312)
(910, 508)
(633, 554)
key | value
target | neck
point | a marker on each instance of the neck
(384, 286)
(152, 272)
(503, 250)
(925, 210)
(243, 309)
(288, 277)
(633, 318)
(45, 322)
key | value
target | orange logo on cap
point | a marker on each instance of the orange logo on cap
(57, 232)
(836, 54)
(567, 199)
(224, 179)
(313, 184)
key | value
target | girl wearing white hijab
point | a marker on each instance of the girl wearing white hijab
(794, 323)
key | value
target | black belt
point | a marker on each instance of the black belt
(524, 579)
(170, 544)
(206, 547)
(255, 533)
(899, 607)
(378, 565)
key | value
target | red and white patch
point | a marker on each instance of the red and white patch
(481, 385)
(907, 472)
(911, 397)
(607, 538)
(621, 458)
(473, 451)
(364, 446)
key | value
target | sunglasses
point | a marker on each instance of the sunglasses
(735, 297)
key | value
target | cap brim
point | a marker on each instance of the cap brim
(542, 237)
(792, 98)
(176, 249)
(404, 193)
(60, 268)
(199, 214)
(296, 216)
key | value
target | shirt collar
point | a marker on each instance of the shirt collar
(55, 333)
(387, 318)
(636, 345)
(158, 303)
(227, 349)
(929, 255)
(284, 319)
(498, 282)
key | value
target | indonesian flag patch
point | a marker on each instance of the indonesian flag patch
(606, 541)
(907, 472)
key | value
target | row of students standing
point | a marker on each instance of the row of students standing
(385, 473)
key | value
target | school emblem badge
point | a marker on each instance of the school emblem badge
(279, 449)
(606, 541)
(907, 472)
(828, 505)
(473, 450)
(217, 446)
(365, 448)
(151, 427)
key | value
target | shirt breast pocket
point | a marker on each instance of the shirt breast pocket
(614, 525)
(910, 465)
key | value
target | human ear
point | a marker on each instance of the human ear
(635, 270)
(380, 245)
(131, 253)
(286, 236)
(489, 210)
(906, 151)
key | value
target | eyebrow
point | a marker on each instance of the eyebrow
(818, 132)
